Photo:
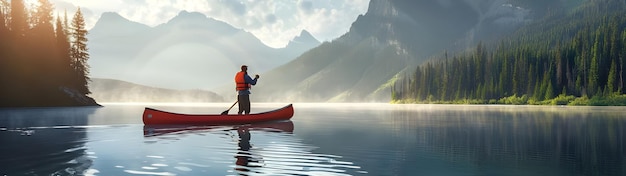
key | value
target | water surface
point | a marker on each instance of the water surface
(321, 139)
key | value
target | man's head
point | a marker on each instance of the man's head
(244, 68)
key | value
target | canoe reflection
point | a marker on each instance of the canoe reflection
(158, 130)
(244, 158)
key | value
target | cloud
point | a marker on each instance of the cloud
(270, 19)
(274, 22)
(305, 6)
(236, 7)
(62, 5)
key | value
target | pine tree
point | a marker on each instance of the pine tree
(79, 53)
(610, 84)
(64, 60)
(4, 30)
(622, 63)
(549, 91)
(4, 49)
(19, 72)
(43, 14)
(593, 69)
(42, 39)
(3, 19)
(19, 18)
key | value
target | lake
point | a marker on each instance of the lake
(321, 139)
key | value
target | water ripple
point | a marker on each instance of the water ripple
(148, 173)
(246, 150)
(265, 149)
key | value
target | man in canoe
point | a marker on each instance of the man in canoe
(244, 82)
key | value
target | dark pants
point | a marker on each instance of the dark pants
(244, 103)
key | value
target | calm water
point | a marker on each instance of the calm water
(321, 139)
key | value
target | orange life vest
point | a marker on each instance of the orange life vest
(240, 81)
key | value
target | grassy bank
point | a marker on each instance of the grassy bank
(607, 100)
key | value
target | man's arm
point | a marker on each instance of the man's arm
(249, 80)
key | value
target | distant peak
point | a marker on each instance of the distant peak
(305, 36)
(189, 17)
(114, 23)
(108, 19)
(305, 33)
(186, 14)
(113, 16)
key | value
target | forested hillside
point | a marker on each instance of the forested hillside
(43, 60)
(568, 57)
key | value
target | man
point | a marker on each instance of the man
(243, 83)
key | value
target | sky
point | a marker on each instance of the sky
(274, 22)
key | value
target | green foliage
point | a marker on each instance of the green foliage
(570, 100)
(582, 54)
(562, 99)
(514, 100)
(580, 101)
(610, 100)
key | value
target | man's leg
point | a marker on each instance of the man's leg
(240, 101)
(244, 104)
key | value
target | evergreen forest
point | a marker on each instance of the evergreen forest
(43, 58)
(568, 57)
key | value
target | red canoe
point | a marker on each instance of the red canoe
(154, 116)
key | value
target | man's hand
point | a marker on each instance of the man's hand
(256, 76)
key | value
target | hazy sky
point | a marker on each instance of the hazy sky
(275, 22)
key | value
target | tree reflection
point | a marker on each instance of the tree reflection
(579, 142)
(40, 141)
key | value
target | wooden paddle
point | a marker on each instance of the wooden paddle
(231, 107)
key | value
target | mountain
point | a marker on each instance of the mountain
(110, 90)
(190, 51)
(115, 25)
(391, 38)
(304, 41)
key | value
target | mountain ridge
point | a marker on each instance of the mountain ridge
(111, 90)
(117, 25)
(303, 37)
